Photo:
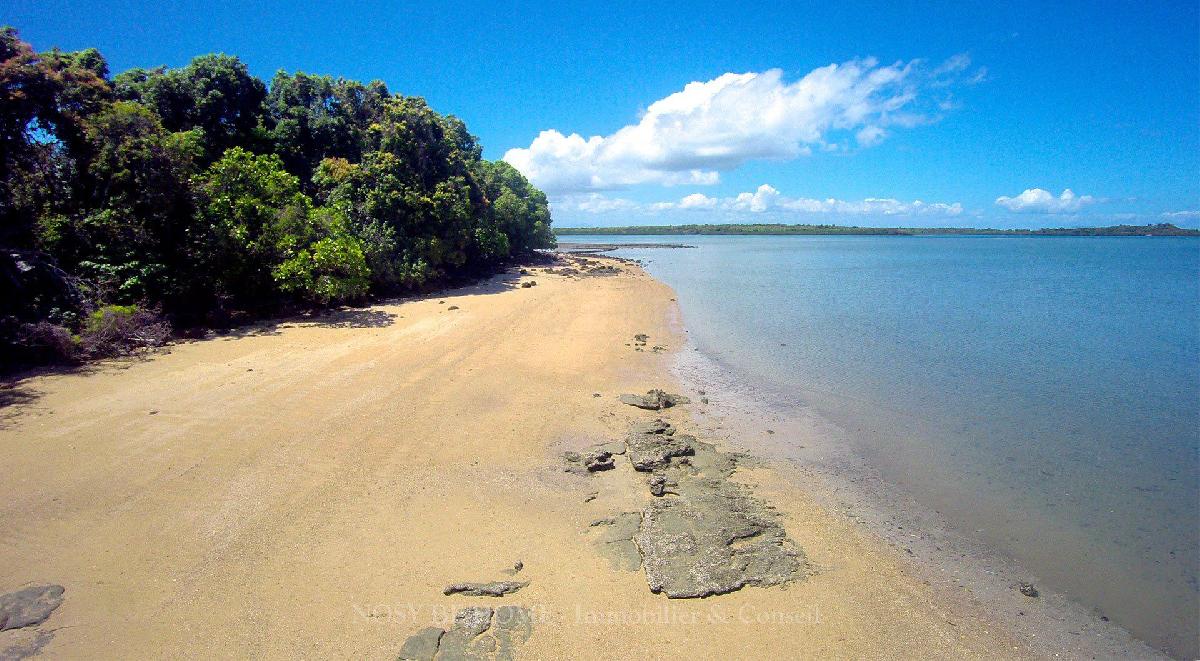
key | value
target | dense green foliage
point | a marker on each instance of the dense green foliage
(204, 194)
(1161, 229)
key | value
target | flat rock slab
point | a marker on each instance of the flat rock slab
(654, 400)
(493, 589)
(615, 540)
(28, 644)
(29, 606)
(479, 632)
(422, 645)
(712, 542)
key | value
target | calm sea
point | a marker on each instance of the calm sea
(1042, 393)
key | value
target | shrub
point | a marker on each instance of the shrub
(120, 329)
(44, 342)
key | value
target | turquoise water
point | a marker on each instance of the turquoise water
(1041, 393)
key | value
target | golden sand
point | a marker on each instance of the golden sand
(308, 489)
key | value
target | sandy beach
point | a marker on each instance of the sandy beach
(308, 488)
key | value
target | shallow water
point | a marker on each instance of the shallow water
(1042, 393)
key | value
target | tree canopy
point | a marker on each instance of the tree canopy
(204, 193)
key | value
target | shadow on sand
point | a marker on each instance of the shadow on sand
(16, 393)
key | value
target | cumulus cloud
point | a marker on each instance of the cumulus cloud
(697, 201)
(765, 199)
(1037, 200)
(708, 127)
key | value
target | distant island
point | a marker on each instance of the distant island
(1160, 229)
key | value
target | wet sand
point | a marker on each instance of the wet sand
(309, 488)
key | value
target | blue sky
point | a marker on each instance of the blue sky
(968, 114)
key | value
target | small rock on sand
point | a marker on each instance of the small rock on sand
(591, 460)
(1028, 589)
(29, 606)
(493, 589)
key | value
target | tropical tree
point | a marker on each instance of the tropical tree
(214, 93)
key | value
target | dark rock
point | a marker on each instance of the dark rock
(1028, 589)
(493, 589)
(593, 459)
(599, 462)
(29, 606)
(658, 485)
(514, 570)
(422, 645)
(526, 285)
(654, 400)
(452, 307)
(591, 496)
(652, 446)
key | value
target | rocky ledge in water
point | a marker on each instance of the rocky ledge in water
(703, 535)
(479, 632)
(654, 400)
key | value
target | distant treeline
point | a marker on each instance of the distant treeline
(1162, 229)
(202, 195)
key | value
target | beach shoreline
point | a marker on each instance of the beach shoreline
(811, 454)
(310, 489)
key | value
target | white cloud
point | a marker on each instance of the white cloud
(1181, 215)
(595, 203)
(1037, 200)
(697, 201)
(870, 136)
(689, 137)
(766, 199)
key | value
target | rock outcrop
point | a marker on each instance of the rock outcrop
(703, 534)
(654, 400)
